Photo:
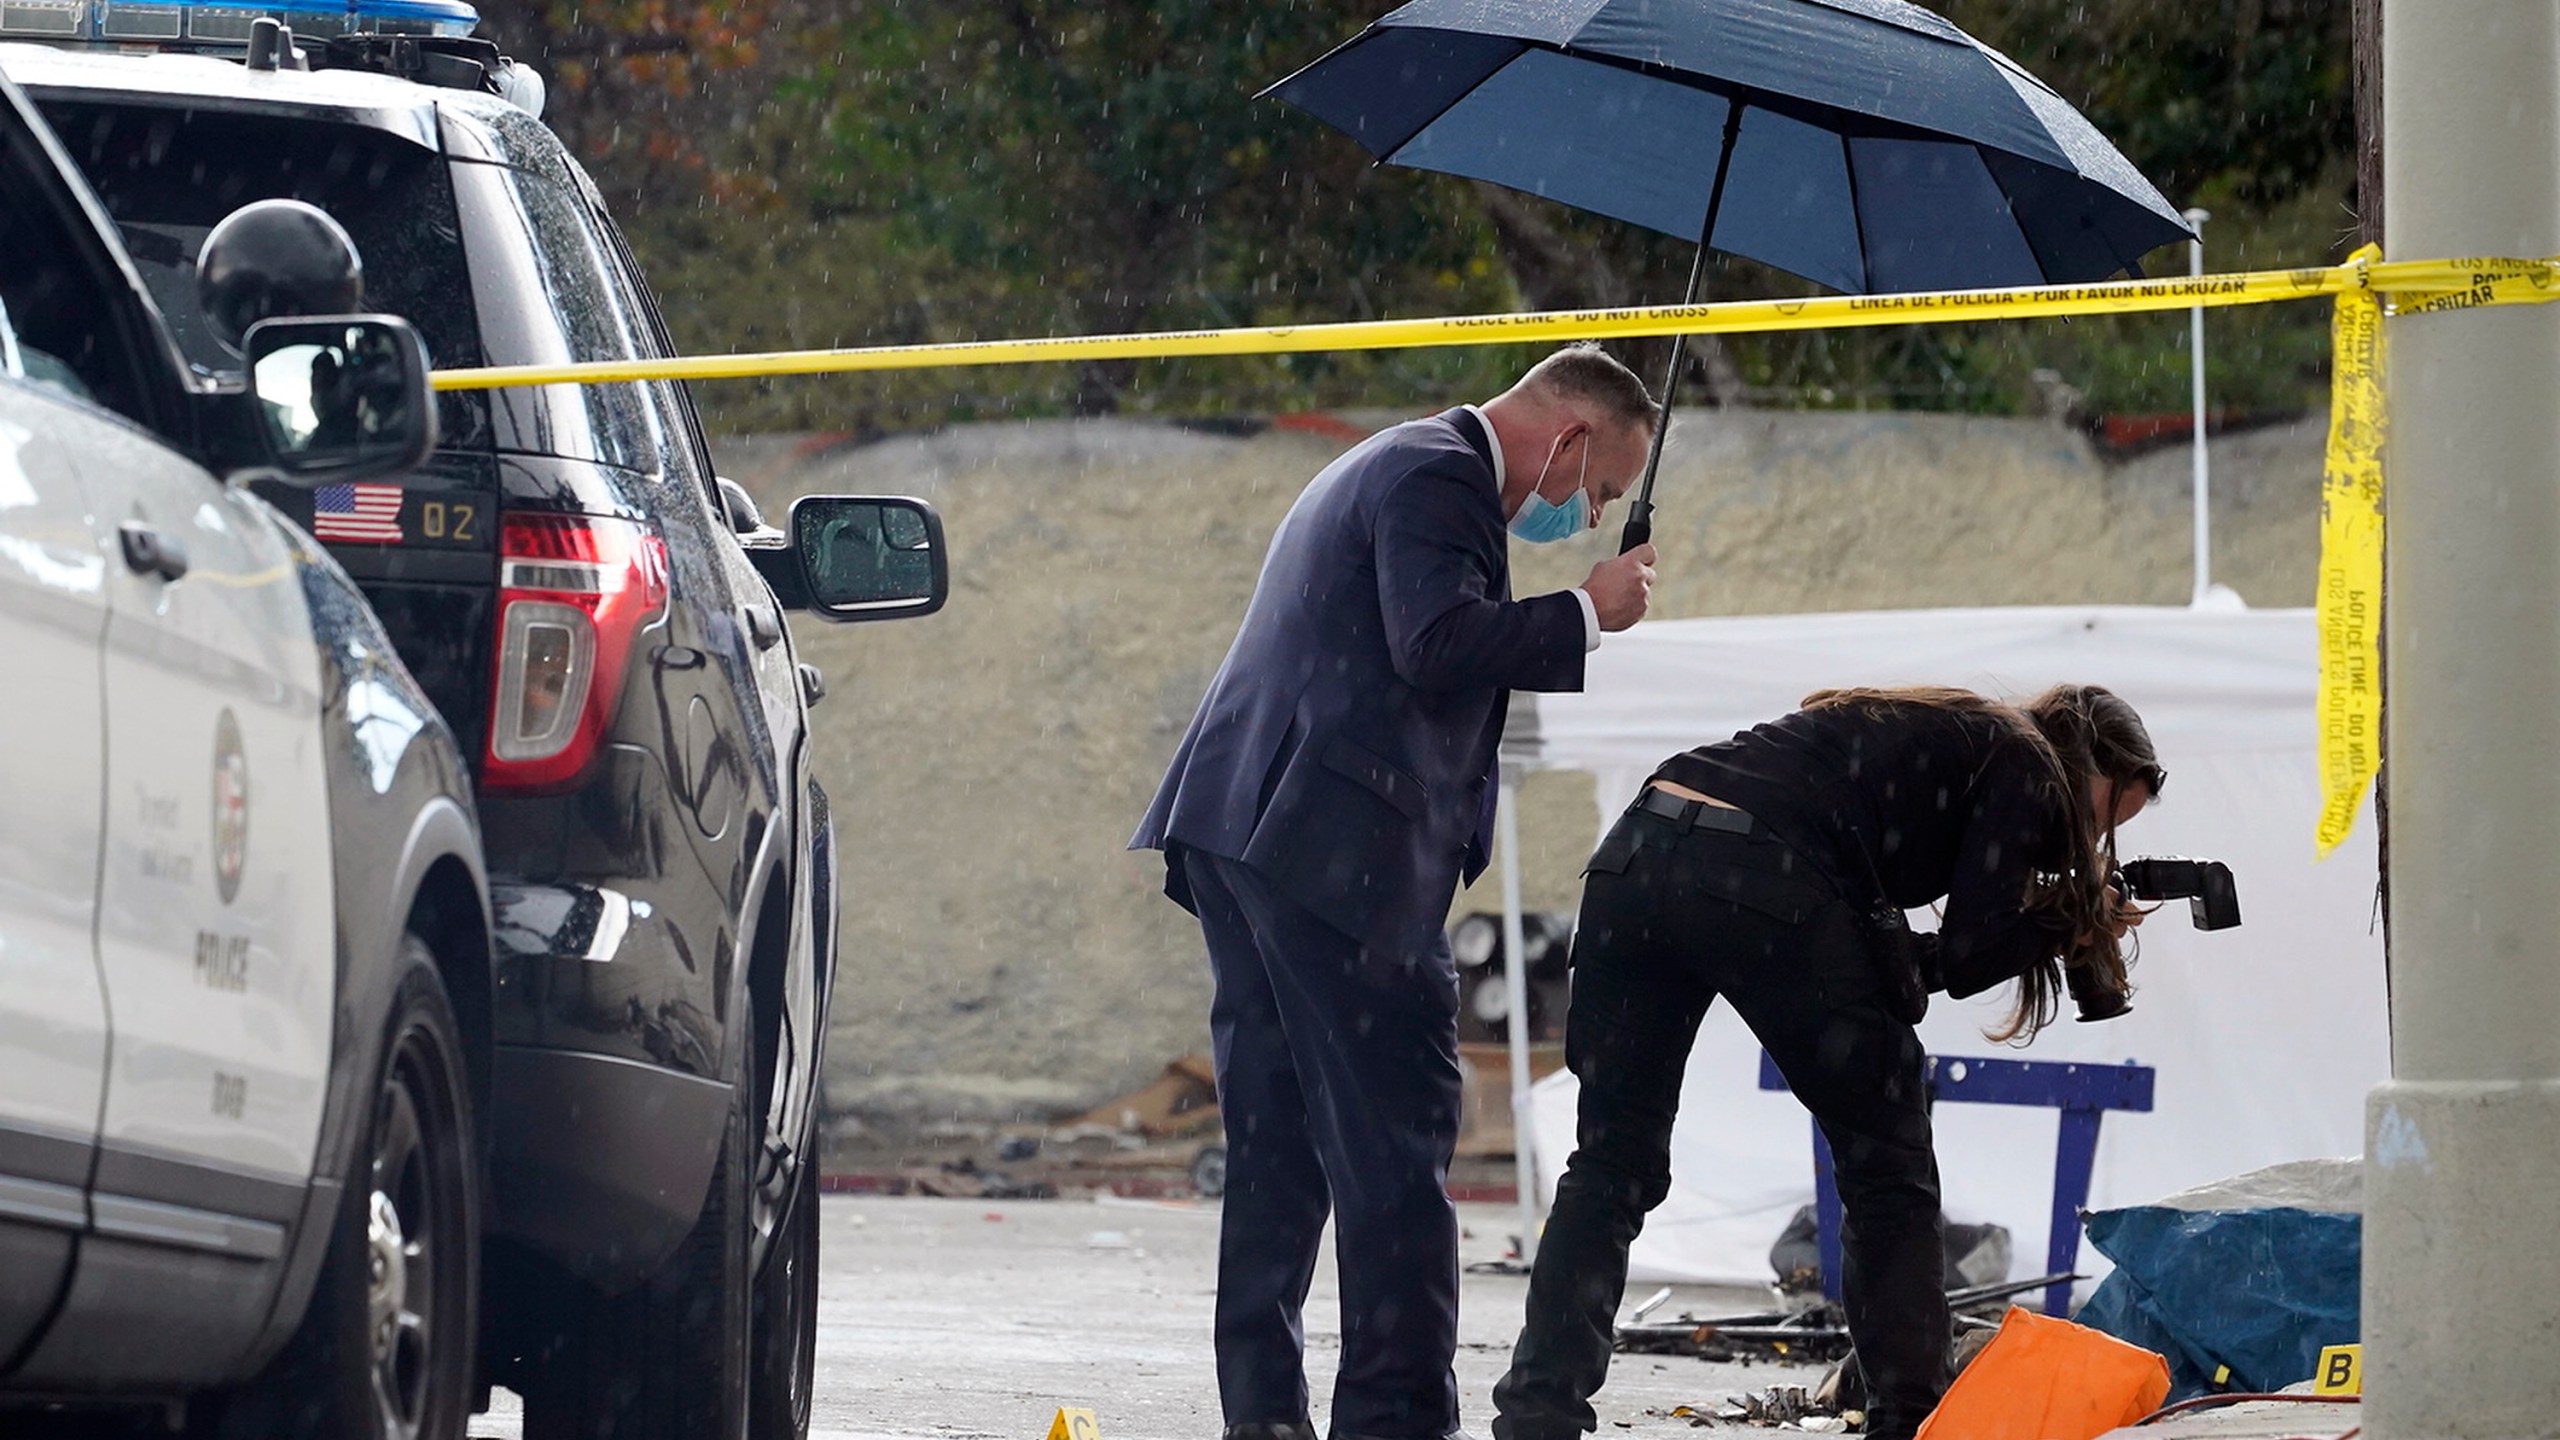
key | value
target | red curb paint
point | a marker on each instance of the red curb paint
(1320, 424)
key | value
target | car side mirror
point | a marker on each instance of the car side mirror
(867, 557)
(340, 397)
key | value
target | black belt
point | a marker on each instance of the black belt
(1693, 814)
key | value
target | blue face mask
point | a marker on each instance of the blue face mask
(1541, 522)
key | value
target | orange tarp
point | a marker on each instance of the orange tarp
(2047, 1379)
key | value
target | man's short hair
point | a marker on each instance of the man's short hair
(1589, 375)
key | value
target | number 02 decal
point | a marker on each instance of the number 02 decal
(448, 520)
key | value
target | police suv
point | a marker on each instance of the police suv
(601, 619)
(244, 958)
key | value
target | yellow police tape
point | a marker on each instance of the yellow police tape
(2349, 606)
(2365, 287)
(2429, 284)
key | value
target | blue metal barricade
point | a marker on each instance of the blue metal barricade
(2083, 1093)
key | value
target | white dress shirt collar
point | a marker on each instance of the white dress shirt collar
(1492, 442)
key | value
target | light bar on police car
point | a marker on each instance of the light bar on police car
(201, 22)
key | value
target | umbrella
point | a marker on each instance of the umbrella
(1867, 145)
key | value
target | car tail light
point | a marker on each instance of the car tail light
(574, 592)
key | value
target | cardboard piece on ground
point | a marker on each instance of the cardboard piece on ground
(2047, 1379)
(1074, 1424)
(1181, 1101)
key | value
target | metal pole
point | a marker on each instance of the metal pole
(2462, 1178)
(1640, 513)
(1515, 984)
(2195, 371)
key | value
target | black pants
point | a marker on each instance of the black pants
(1671, 919)
(1338, 1080)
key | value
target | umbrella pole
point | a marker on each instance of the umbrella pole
(1640, 515)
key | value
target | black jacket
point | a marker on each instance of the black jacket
(1909, 803)
(1346, 748)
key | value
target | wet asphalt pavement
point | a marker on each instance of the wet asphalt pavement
(977, 1320)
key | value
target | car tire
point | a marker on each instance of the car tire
(384, 1349)
(670, 1359)
(1209, 1172)
(786, 1316)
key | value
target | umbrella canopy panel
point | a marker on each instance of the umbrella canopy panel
(1880, 148)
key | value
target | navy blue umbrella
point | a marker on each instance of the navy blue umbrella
(1867, 145)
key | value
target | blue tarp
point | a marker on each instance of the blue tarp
(2259, 1291)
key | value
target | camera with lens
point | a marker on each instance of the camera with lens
(2213, 902)
(2212, 896)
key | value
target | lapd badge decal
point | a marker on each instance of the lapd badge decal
(230, 806)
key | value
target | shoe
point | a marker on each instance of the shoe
(1348, 1435)
(1271, 1430)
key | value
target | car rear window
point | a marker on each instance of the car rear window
(547, 296)
(168, 175)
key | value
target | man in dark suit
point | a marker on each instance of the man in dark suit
(1337, 780)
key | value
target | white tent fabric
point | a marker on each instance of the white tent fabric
(2265, 1038)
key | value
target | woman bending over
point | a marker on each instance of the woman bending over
(1771, 869)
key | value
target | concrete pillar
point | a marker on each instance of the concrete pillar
(2462, 1159)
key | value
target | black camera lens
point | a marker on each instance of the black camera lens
(2095, 999)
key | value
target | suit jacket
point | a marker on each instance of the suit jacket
(1346, 749)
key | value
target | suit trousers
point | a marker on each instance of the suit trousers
(1671, 919)
(1339, 1083)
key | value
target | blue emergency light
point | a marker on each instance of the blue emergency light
(209, 24)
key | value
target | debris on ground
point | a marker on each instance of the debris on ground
(1780, 1407)
(1742, 1338)
(1817, 1332)
(1162, 1140)
(1181, 1101)
(1843, 1390)
(1511, 1262)
(1975, 1254)
(962, 1179)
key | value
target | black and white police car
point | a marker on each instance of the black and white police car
(602, 620)
(245, 977)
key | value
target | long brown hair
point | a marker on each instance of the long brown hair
(2076, 733)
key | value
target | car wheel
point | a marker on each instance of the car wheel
(669, 1360)
(1209, 1172)
(384, 1350)
(786, 1315)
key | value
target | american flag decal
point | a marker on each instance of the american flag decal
(368, 513)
